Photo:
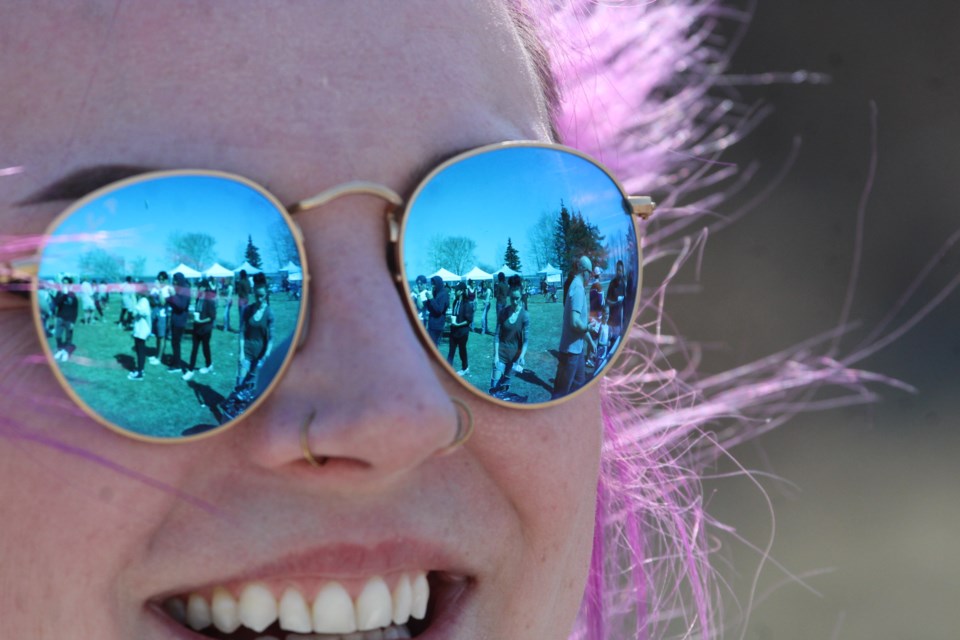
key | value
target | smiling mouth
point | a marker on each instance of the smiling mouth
(258, 611)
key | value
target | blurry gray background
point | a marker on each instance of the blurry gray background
(876, 500)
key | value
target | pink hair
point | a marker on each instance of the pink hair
(635, 85)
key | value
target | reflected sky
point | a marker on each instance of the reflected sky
(135, 222)
(501, 194)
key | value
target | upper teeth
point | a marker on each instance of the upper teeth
(332, 609)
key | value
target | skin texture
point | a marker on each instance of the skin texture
(299, 97)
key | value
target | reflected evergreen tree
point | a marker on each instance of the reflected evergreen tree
(252, 253)
(511, 257)
(573, 237)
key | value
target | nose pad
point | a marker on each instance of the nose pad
(376, 396)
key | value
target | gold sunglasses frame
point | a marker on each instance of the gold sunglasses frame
(641, 207)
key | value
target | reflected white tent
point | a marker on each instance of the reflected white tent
(218, 271)
(446, 276)
(249, 268)
(507, 271)
(291, 268)
(186, 271)
(549, 270)
(478, 274)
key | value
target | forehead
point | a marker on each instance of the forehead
(333, 90)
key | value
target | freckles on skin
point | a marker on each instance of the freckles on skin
(547, 463)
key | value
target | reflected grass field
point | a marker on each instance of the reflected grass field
(163, 404)
(536, 382)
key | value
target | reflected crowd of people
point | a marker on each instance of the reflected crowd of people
(589, 323)
(161, 313)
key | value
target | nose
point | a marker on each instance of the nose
(373, 397)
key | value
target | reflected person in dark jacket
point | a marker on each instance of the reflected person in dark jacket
(461, 319)
(436, 306)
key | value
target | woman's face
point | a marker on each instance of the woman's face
(98, 530)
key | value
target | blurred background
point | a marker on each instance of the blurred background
(869, 511)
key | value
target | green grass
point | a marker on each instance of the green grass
(163, 404)
(536, 382)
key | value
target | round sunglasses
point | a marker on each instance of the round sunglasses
(170, 303)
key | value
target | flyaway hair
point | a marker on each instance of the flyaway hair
(640, 86)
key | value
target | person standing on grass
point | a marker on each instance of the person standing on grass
(436, 305)
(616, 291)
(66, 309)
(204, 314)
(501, 293)
(487, 297)
(179, 304)
(141, 331)
(226, 297)
(461, 319)
(571, 368)
(87, 301)
(510, 340)
(242, 290)
(158, 311)
(256, 333)
(128, 300)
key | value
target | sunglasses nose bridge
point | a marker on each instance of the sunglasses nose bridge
(356, 187)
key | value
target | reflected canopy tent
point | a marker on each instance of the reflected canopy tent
(551, 273)
(478, 274)
(446, 276)
(507, 271)
(218, 271)
(249, 268)
(294, 272)
(186, 271)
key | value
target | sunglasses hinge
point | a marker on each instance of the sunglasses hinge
(642, 206)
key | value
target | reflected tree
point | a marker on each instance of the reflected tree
(511, 257)
(541, 239)
(573, 237)
(192, 249)
(252, 253)
(455, 253)
(101, 264)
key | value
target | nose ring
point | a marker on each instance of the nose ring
(464, 431)
(305, 443)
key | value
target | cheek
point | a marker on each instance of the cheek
(547, 465)
(66, 483)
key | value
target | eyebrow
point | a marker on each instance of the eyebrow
(81, 182)
(86, 180)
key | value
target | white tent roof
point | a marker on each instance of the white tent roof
(507, 271)
(477, 274)
(549, 270)
(249, 268)
(446, 276)
(292, 268)
(186, 271)
(218, 271)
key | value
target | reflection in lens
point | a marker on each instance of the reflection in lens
(522, 264)
(170, 301)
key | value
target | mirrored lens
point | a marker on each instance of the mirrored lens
(522, 265)
(170, 302)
